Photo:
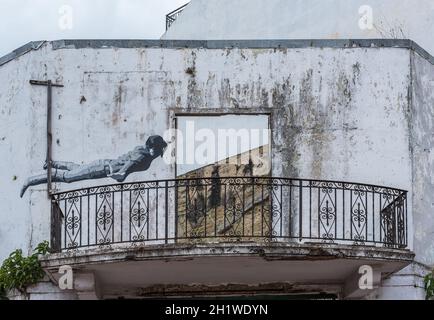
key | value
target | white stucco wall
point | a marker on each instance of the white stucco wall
(422, 148)
(340, 114)
(305, 19)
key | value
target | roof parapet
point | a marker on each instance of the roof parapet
(33, 45)
(222, 44)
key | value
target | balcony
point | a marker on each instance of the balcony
(137, 237)
(238, 209)
(172, 16)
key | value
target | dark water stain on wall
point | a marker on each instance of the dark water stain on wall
(119, 97)
(194, 93)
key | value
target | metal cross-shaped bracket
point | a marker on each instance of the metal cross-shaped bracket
(49, 84)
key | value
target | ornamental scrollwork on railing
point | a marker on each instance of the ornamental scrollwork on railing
(210, 209)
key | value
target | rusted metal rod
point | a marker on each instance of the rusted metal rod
(49, 84)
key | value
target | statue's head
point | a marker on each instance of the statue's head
(156, 145)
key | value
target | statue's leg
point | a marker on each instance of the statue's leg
(95, 170)
(62, 165)
(57, 176)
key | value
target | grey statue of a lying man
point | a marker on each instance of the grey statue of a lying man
(139, 159)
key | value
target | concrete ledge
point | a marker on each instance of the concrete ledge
(221, 44)
(224, 44)
(138, 271)
(245, 44)
(34, 45)
(270, 252)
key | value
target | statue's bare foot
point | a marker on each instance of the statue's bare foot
(23, 190)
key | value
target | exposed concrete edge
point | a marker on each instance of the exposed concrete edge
(170, 291)
(246, 44)
(422, 52)
(33, 45)
(222, 44)
(241, 44)
(274, 251)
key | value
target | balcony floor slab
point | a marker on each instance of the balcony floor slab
(138, 268)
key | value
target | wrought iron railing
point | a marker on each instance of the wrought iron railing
(230, 209)
(172, 16)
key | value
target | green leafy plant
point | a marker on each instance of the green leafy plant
(19, 272)
(429, 285)
(3, 294)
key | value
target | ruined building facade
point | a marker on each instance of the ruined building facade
(343, 181)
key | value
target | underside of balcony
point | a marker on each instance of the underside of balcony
(227, 268)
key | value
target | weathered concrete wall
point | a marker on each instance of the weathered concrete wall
(43, 290)
(305, 19)
(407, 284)
(336, 113)
(422, 148)
(22, 140)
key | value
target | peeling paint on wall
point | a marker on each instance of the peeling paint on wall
(335, 113)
